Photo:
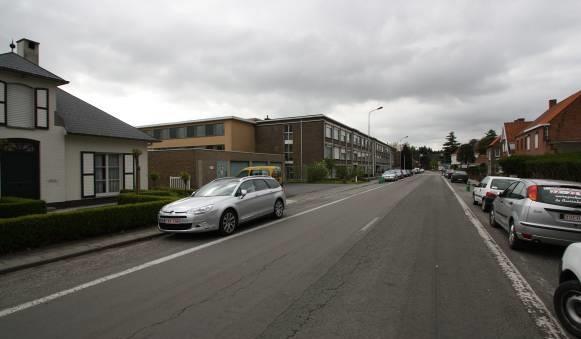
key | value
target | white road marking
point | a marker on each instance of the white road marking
(289, 202)
(531, 301)
(95, 282)
(369, 224)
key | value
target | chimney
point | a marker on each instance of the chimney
(552, 103)
(28, 49)
(520, 120)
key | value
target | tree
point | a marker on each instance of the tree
(154, 176)
(185, 176)
(450, 146)
(485, 141)
(406, 157)
(466, 154)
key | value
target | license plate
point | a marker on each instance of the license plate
(170, 221)
(572, 217)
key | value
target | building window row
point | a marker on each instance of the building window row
(208, 130)
(343, 135)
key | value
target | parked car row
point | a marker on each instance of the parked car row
(396, 174)
(541, 211)
(456, 176)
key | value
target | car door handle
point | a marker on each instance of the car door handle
(510, 202)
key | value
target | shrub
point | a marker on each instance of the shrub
(40, 230)
(344, 173)
(11, 207)
(557, 166)
(132, 198)
(317, 171)
(154, 176)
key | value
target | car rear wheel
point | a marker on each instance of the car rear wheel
(513, 241)
(484, 206)
(228, 222)
(278, 209)
(492, 218)
(567, 302)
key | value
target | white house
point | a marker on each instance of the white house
(56, 147)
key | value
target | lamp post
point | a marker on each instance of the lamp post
(369, 136)
(399, 142)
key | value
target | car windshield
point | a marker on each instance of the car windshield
(500, 184)
(217, 188)
(461, 173)
(561, 196)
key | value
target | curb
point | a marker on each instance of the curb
(41, 262)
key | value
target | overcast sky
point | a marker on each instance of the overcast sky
(435, 66)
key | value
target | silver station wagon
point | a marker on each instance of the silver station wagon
(546, 211)
(222, 204)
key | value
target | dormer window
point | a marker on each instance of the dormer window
(23, 106)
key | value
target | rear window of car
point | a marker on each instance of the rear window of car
(500, 184)
(272, 183)
(260, 172)
(561, 196)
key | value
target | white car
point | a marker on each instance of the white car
(567, 298)
(390, 175)
(488, 189)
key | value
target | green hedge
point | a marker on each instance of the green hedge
(40, 230)
(132, 198)
(11, 207)
(559, 166)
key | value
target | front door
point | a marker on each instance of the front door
(19, 168)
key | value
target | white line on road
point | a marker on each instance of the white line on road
(532, 302)
(95, 282)
(369, 224)
(289, 202)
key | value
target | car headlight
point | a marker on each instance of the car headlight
(201, 210)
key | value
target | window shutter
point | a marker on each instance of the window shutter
(87, 174)
(128, 177)
(3, 103)
(20, 103)
(41, 109)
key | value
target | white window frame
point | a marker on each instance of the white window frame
(528, 142)
(536, 140)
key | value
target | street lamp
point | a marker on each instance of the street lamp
(369, 136)
(400, 140)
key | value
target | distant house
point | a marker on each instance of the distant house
(55, 146)
(494, 153)
(510, 130)
(557, 130)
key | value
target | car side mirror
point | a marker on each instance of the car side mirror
(193, 193)
(502, 194)
(243, 194)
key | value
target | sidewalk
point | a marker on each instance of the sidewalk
(22, 260)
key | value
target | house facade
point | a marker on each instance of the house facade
(53, 145)
(557, 130)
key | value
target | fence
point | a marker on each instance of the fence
(178, 183)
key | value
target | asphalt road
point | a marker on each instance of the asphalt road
(397, 260)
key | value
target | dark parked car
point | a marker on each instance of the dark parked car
(448, 173)
(459, 176)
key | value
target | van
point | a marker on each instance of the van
(272, 171)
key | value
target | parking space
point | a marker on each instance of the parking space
(538, 263)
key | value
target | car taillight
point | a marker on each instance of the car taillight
(533, 192)
(491, 195)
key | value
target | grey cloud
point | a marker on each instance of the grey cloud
(454, 66)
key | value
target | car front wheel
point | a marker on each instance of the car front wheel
(228, 222)
(567, 302)
(278, 209)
